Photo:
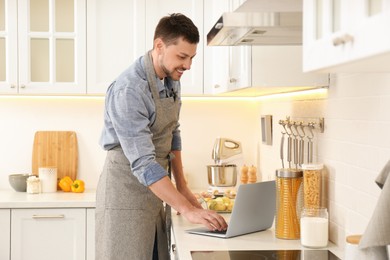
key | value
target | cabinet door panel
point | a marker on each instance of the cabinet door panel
(46, 234)
(346, 36)
(5, 225)
(8, 49)
(90, 234)
(192, 80)
(225, 68)
(116, 37)
(42, 26)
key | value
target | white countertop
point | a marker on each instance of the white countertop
(264, 240)
(59, 199)
(185, 242)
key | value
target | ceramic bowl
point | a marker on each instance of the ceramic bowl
(19, 181)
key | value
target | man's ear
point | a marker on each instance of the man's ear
(158, 45)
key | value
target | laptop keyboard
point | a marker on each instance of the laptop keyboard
(217, 231)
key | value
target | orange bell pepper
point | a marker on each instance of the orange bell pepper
(66, 184)
(78, 186)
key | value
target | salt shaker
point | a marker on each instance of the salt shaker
(33, 185)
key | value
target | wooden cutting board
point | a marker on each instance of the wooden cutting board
(58, 149)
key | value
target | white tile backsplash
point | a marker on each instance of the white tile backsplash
(354, 147)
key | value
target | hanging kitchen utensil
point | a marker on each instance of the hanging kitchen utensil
(301, 143)
(281, 122)
(310, 144)
(295, 146)
(289, 147)
(282, 149)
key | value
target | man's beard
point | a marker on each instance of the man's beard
(169, 73)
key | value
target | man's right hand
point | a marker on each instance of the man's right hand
(209, 218)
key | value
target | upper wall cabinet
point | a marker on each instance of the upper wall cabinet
(192, 80)
(116, 37)
(225, 68)
(346, 36)
(8, 47)
(47, 56)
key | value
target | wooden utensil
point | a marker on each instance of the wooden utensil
(56, 148)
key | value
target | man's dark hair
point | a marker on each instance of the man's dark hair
(170, 28)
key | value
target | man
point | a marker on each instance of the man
(142, 136)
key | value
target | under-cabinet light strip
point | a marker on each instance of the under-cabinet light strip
(319, 92)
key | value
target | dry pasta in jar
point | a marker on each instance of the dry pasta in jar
(289, 202)
(312, 183)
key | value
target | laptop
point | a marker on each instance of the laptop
(253, 211)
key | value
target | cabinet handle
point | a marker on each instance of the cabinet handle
(342, 40)
(217, 86)
(174, 248)
(233, 80)
(22, 86)
(47, 216)
(13, 86)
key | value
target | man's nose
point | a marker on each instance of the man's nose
(187, 64)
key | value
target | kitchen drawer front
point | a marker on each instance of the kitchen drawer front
(46, 234)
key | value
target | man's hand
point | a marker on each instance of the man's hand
(208, 218)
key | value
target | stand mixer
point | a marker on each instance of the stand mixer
(226, 154)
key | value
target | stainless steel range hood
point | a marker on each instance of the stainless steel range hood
(259, 22)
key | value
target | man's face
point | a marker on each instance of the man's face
(174, 59)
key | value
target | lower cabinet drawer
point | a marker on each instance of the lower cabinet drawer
(47, 234)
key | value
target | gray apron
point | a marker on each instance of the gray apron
(128, 215)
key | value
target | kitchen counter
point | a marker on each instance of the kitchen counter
(264, 240)
(185, 243)
(59, 199)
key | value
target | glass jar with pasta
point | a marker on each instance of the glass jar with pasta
(289, 203)
(312, 185)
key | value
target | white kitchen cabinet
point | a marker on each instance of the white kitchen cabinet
(280, 67)
(43, 47)
(47, 234)
(5, 227)
(8, 51)
(91, 234)
(116, 38)
(225, 68)
(192, 80)
(346, 36)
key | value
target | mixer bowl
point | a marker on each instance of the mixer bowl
(222, 175)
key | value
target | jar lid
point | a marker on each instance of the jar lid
(289, 173)
(313, 166)
(353, 239)
(33, 178)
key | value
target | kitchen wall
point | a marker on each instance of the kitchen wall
(354, 147)
(201, 122)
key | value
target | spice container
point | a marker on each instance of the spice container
(289, 203)
(312, 179)
(314, 227)
(33, 185)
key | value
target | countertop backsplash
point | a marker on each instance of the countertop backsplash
(354, 146)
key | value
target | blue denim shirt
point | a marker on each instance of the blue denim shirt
(129, 113)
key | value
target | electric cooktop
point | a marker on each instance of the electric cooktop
(264, 255)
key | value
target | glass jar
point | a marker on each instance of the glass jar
(312, 185)
(33, 185)
(314, 227)
(289, 203)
